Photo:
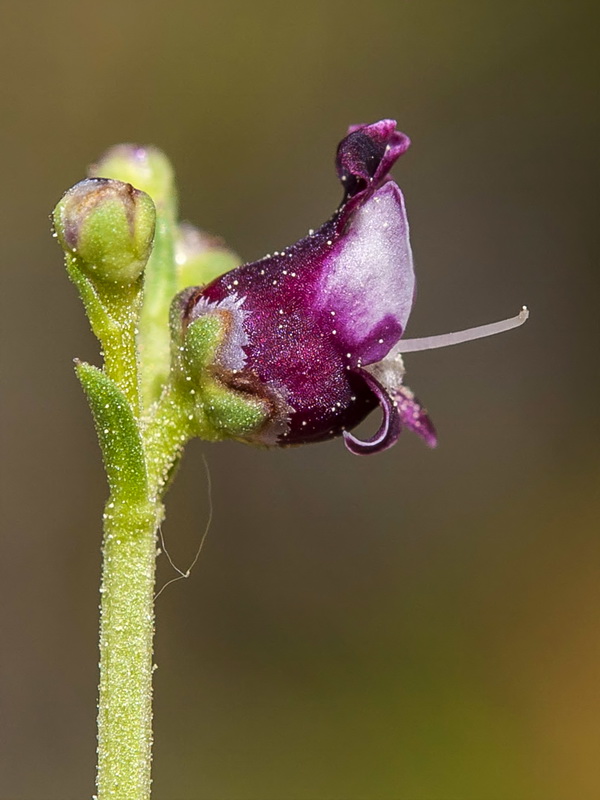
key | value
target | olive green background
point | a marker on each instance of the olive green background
(417, 625)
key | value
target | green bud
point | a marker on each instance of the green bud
(148, 168)
(200, 258)
(109, 227)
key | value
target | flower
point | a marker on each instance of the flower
(315, 331)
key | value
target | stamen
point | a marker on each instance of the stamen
(446, 339)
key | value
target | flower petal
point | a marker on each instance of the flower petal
(366, 286)
(413, 416)
(390, 427)
(367, 154)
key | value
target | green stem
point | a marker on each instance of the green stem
(160, 286)
(113, 312)
(127, 610)
(166, 433)
(126, 637)
(119, 342)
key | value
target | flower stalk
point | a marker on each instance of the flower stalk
(126, 647)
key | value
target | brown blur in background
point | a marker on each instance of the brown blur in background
(417, 625)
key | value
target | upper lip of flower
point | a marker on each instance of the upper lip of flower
(367, 154)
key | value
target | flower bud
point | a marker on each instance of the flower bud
(200, 257)
(109, 227)
(145, 167)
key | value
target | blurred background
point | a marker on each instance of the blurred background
(418, 625)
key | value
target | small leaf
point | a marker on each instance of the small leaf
(120, 441)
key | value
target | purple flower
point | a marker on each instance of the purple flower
(316, 330)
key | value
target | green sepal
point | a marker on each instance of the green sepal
(203, 338)
(221, 411)
(118, 434)
(229, 414)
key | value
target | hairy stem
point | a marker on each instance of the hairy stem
(127, 610)
(120, 347)
(126, 637)
(159, 289)
(166, 433)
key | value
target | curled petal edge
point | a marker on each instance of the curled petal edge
(390, 427)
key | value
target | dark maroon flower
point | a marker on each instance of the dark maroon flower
(318, 326)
